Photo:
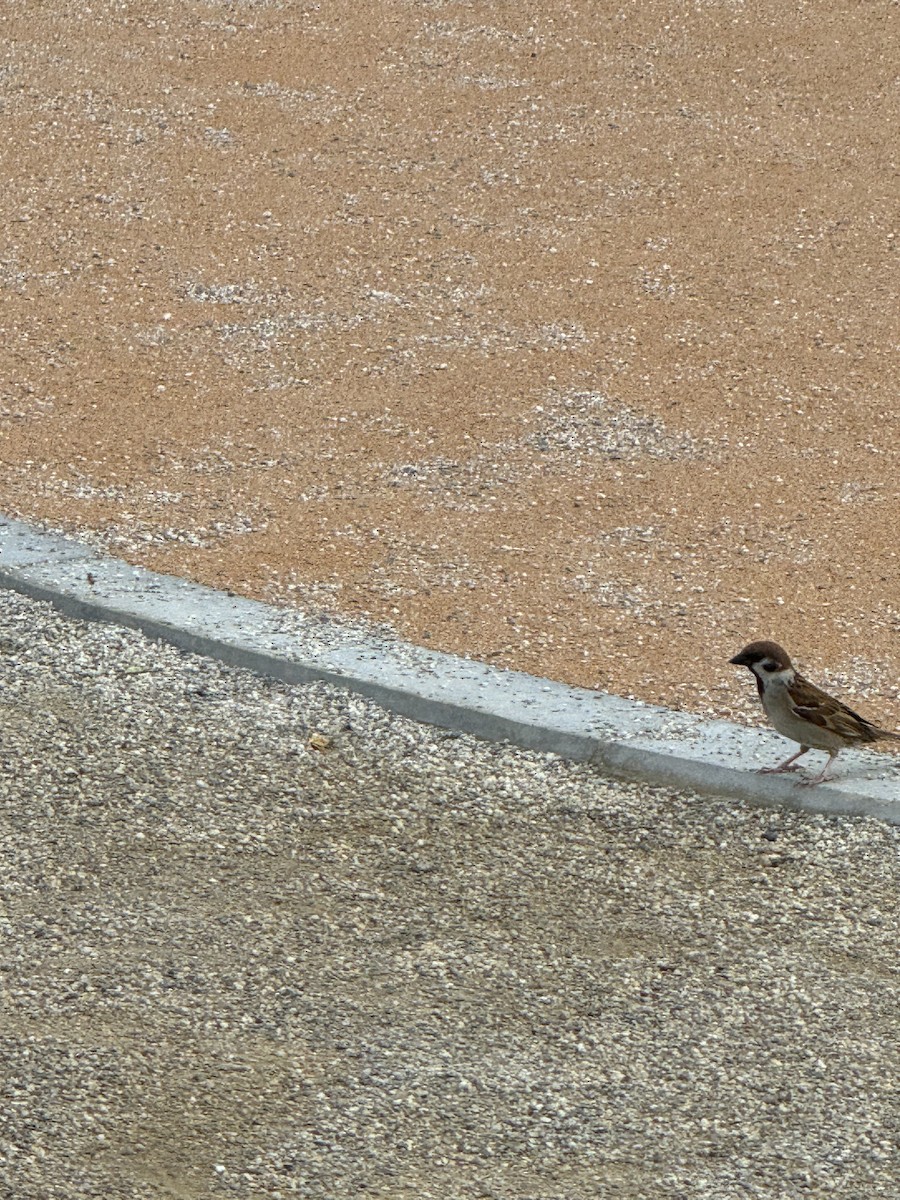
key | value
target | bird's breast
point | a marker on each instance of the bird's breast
(778, 707)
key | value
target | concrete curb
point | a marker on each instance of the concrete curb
(624, 737)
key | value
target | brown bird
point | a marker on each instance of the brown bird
(803, 712)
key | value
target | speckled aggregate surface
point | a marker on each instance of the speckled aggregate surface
(561, 336)
(259, 940)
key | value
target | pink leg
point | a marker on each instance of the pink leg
(786, 765)
(821, 778)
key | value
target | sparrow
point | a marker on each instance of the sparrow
(803, 712)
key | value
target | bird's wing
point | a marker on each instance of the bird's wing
(812, 704)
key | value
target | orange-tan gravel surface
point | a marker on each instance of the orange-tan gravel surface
(565, 336)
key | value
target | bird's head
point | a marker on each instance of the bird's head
(763, 658)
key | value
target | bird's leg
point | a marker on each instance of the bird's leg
(823, 776)
(786, 765)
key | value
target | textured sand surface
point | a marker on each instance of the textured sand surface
(563, 336)
(274, 942)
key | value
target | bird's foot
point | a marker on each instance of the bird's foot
(783, 769)
(823, 778)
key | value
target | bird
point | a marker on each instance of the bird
(803, 712)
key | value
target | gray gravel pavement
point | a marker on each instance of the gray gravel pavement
(259, 940)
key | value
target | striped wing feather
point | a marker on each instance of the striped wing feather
(816, 706)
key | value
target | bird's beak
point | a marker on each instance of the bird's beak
(738, 660)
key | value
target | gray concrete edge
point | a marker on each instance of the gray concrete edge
(623, 737)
